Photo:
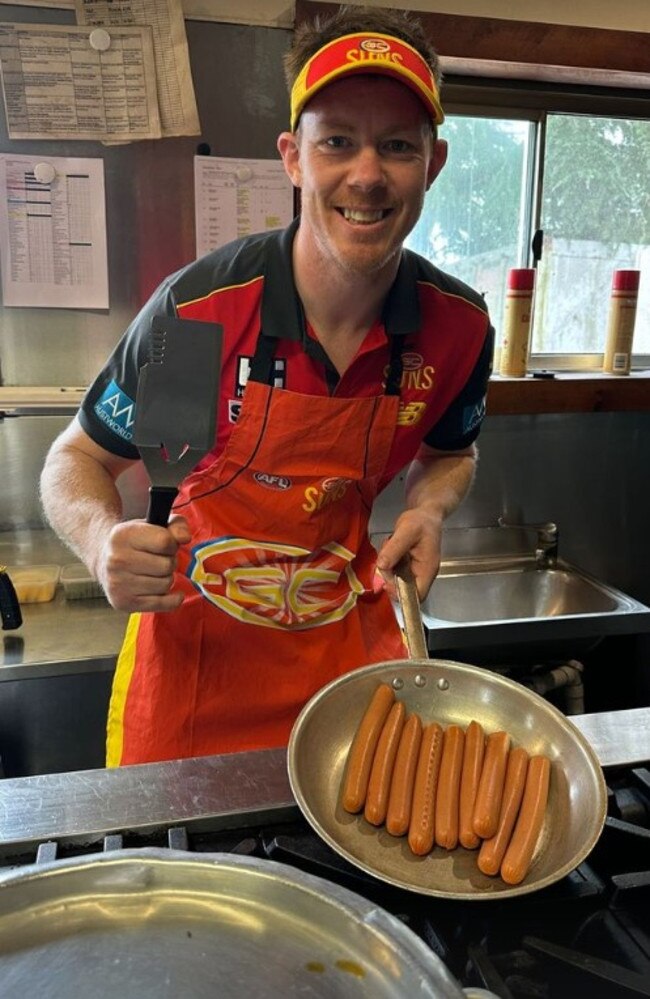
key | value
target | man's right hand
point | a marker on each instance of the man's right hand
(137, 562)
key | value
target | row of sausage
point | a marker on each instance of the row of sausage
(447, 786)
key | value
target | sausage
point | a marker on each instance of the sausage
(382, 766)
(448, 791)
(493, 850)
(487, 806)
(362, 750)
(521, 847)
(421, 828)
(470, 776)
(398, 816)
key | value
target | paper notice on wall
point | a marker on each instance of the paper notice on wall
(176, 100)
(53, 232)
(238, 197)
(63, 83)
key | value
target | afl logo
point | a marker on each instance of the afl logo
(272, 481)
(412, 361)
(374, 45)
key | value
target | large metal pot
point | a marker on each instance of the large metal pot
(153, 923)
(449, 693)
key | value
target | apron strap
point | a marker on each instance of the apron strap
(396, 366)
(262, 366)
(263, 369)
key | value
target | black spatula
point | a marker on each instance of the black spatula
(176, 406)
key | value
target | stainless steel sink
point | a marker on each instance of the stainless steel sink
(498, 590)
(496, 599)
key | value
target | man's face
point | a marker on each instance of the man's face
(363, 158)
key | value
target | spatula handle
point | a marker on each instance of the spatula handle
(161, 499)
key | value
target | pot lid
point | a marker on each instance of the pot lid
(161, 923)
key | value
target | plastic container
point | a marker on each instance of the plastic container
(78, 584)
(517, 322)
(620, 324)
(34, 584)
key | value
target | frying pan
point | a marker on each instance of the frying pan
(449, 693)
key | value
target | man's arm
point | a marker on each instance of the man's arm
(436, 483)
(134, 561)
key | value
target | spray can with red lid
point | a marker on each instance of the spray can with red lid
(620, 325)
(517, 319)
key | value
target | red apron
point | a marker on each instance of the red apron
(278, 583)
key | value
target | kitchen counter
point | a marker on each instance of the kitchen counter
(231, 790)
(238, 788)
(62, 631)
(57, 633)
(56, 670)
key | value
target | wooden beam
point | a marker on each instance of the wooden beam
(569, 393)
(524, 42)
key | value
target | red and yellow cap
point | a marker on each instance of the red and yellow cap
(366, 53)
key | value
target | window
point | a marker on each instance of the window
(556, 165)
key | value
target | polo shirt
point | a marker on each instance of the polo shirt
(248, 285)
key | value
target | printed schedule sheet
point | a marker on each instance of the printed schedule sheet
(176, 100)
(72, 83)
(53, 232)
(238, 197)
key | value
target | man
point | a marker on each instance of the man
(363, 357)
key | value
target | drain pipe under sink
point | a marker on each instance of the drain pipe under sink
(567, 677)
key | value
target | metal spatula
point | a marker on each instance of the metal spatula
(176, 405)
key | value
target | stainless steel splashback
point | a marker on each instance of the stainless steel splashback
(24, 443)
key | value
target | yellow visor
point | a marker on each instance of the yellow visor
(366, 53)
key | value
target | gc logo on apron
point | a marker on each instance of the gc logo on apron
(274, 585)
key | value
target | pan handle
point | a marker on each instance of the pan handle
(410, 604)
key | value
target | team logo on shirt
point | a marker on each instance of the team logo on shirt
(329, 491)
(116, 410)
(416, 375)
(276, 586)
(410, 413)
(242, 374)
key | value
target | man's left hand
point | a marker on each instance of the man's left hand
(417, 533)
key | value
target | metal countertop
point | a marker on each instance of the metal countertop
(237, 790)
(59, 635)
(620, 738)
(223, 791)
(62, 631)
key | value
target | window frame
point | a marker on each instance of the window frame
(534, 101)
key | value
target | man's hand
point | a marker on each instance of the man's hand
(419, 534)
(132, 560)
(137, 562)
(436, 483)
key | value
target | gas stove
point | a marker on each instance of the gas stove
(586, 934)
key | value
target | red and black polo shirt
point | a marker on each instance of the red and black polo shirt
(446, 337)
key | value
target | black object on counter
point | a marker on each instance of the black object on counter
(9, 606)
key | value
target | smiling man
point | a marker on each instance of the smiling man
(345, 358)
